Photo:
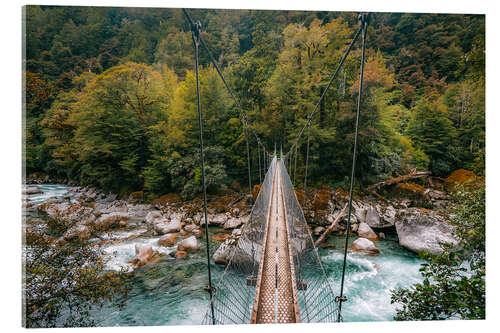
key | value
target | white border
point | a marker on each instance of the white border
(11, 148)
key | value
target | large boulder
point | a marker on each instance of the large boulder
(143, 254)
(364, 245)
(77, 233)
(223, 254)
(68, 213)
(139, 210)
(372, 217)
(365, 231)
(116, 206)
(107, 221)
(388, 217)
(164, 226)
(359, 211)
(237, 254)
(189, 244)
(136, 197)
(233, 222)
(218, 219)
(424, 230)
(168, 240)
(167, 200)
(152, 216)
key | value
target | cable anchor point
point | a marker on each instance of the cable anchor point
(209, 289)
(364, 18)
(340, 299)
(195, 30)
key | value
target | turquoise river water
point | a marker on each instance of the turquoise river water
(170, 292)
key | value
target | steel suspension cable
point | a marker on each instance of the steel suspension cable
(214, 63)
(307, 163)
(249, 170)
(195, 35)
(364, 25)
(243, 115)
(295, 166)
(339, 66)
(260, 170)
(263, 164)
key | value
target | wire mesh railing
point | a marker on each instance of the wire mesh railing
(234, 297)
(235, 291)
(315, 294)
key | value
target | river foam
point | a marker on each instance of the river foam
(370, 279)
(170, 291)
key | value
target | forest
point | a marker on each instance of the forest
(110, 95)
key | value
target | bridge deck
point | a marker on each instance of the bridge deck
(276, 294)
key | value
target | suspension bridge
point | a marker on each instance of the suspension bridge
(275, 274)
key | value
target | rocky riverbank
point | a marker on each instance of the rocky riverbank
(160, 242)
(420, 221)
(414, 212)
(89, 215)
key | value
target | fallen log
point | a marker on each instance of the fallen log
(400, 179)
(237, 199)
(334, 224)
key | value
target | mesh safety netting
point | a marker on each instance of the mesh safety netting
(233, 300)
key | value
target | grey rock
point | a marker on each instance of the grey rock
(223, 253)
(389, 216)
(164, 226)
(364, 245)
(77, 232)
(118, 206)
(424, 230)
(364, 231)
(236, 233)
(152, 216)
(373, 217)
(189, 244)
(360, 211)
(107, 221)
(140, 210)
(234, 222)
(219, 219)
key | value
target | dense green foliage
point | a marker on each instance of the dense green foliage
(110, 94)
(454, 284)
(63, 283)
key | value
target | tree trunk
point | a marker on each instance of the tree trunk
(392, 181)
(334, 224)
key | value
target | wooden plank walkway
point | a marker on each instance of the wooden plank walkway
(276, 294)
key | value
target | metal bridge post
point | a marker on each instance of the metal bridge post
(363, 18)
(195, 31)
(307, 159)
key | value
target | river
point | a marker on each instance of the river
(170, 292)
